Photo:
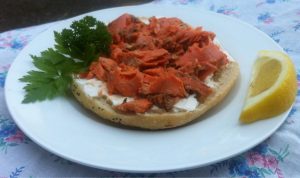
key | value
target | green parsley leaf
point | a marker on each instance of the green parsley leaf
(74, 51)
(52, 80)
(86, 40)
(53, 62)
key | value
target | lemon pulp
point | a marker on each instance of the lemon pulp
(272, 89)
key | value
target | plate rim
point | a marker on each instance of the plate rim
(178, 168)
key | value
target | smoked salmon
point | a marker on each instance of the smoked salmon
(135, 106)
(157, 63)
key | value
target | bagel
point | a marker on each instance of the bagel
(156, 118)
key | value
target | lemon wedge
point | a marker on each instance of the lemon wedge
(273, 87)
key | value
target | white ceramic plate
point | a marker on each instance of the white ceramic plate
(63, 127)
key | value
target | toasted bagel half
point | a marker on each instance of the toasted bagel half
(223, 80)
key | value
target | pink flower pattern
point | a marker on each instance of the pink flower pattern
(10, 135)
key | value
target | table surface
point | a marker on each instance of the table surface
(24, 13)
(278, 156)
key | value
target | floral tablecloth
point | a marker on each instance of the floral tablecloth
(278, 156)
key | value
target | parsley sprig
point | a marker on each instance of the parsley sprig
(73, 52)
